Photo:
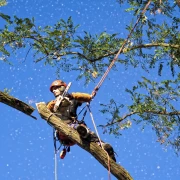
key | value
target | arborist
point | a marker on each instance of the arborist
(65, 107)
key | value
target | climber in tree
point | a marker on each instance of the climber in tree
(67, 112)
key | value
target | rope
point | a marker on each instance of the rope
(84, 114)
(94, 124)
(120, 50)
(55, 156)
(55, 165)
(95, 127)
(106, 73)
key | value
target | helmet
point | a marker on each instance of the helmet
(57, 83)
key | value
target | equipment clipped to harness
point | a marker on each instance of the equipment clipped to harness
(63, 153)
(84, 114)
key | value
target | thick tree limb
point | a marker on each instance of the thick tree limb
(16, 103)
(118, 171)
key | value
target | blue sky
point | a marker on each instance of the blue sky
(27, 151)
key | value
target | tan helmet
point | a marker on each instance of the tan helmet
(57, 83)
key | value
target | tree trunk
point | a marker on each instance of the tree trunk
(16, 103)
(118, 171)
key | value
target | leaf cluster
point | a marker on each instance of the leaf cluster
(47, 42)
(3, 3)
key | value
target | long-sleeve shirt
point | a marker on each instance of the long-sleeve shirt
(69, 105)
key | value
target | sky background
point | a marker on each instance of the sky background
(26, 145)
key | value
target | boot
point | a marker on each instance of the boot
(109, 149)
(83, 131)
(93, 137)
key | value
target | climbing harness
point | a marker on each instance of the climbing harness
(84, 114)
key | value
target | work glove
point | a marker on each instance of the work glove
(50, 105)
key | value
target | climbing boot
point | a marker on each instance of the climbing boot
(109, 149)
(83, 131)
(93, 137)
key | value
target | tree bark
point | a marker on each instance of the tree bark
(16, 103)
(118, 171)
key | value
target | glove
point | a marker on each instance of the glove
(50, 105)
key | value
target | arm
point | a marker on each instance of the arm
(82, 97)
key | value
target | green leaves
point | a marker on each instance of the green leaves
(7, 91)
(95, 53)
(158, 108)
(6, 17)
(47, 43)
(154, 104)
(3, 3)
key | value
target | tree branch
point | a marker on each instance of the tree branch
(175, 46)
(16, 103)
(118, 171)
(163, 113)
(174, 113)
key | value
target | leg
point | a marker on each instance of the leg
(109, 149)
(83, 131)
(86, 133)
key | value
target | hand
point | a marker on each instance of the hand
(50, 105)
(93, 94)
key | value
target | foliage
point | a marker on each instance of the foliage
(158, 107)
(3, 3)
(7, 91)
(153, 46)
